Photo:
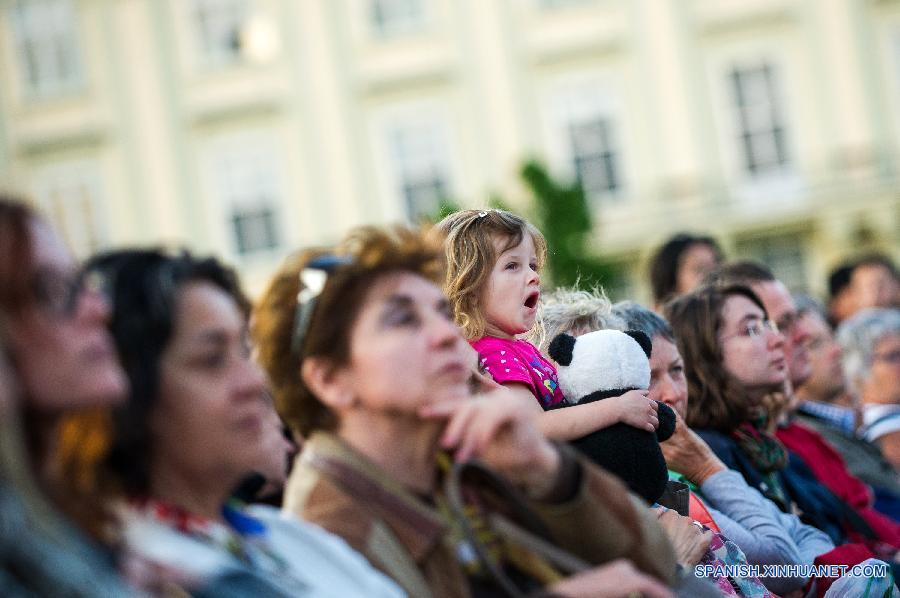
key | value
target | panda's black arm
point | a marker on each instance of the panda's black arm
(666, 422)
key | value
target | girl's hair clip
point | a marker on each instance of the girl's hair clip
(312, 280)
(482, 214)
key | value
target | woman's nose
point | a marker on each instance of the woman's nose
(775, 339)
(666, 393)
(252, 378)
(93, 306)
(443, 330)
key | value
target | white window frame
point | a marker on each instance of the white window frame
(584, 100)
(772, 251)
(47, 47)
(211, 22)
(246, 179)
(412, 147)
(71, 194)
(759, 119)
(398, 17)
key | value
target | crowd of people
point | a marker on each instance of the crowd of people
(384, 420)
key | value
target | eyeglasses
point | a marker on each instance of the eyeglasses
(312, 282)
(58, 293)
(754, 329)
(787, 322)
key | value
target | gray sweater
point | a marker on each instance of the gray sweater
(765, 534)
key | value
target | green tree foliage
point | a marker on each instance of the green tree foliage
(561, 213)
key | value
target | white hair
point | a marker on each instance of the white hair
(575, 312)
(859, 336)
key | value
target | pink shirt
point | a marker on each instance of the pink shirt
(520, 361)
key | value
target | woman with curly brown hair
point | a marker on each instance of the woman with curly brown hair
(367, 364)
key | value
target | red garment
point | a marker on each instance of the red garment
(847, 554)
(829, 468)
(698, 512)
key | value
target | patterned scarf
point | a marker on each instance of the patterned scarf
(763, 448)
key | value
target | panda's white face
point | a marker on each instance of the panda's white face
(604, 360)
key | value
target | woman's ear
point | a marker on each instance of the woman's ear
(329, 383)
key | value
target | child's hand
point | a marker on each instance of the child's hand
(636, 410)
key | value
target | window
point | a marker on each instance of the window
(219, 25)
(254, 229)
(246, 178)
(70, 195)
(421, 167)
(593, 157)
(784, 254)
(761, 129)
(47, 46)
(554, 4)
(397, 17)
(584, 132)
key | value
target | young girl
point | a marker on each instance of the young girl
(493, 264)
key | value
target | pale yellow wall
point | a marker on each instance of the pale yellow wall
(150, 115)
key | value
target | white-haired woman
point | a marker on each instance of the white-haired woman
(871, 344)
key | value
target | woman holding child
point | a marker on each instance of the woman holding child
(366, 362)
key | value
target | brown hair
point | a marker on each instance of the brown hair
(717, 399)
(75, 496)
(373, 253)
(16, 217)
(471, 255)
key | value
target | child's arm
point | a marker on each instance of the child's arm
(632, 408)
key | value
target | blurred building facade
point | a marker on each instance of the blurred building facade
(251, 127)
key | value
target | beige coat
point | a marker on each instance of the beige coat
(409, 540)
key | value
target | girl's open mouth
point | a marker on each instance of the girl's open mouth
(532, 299)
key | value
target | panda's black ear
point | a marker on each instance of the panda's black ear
(642, 339)
(560, 348)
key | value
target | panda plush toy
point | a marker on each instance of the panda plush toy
(603, 364)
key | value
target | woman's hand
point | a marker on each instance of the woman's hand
(689, 538)
(615, 579)
(686, 453)
(499, 428)
(637, 410)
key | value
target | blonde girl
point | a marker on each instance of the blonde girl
(494, 259)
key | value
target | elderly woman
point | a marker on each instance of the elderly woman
(367, 364)
(871, 344)
(196, 423)
(61, 361)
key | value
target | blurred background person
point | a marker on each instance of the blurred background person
(871, 343)
(680, 265)
(825, 404)
(825, 384)
(870, 281)
(61, 360)
(266, 483)
(196, 423)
